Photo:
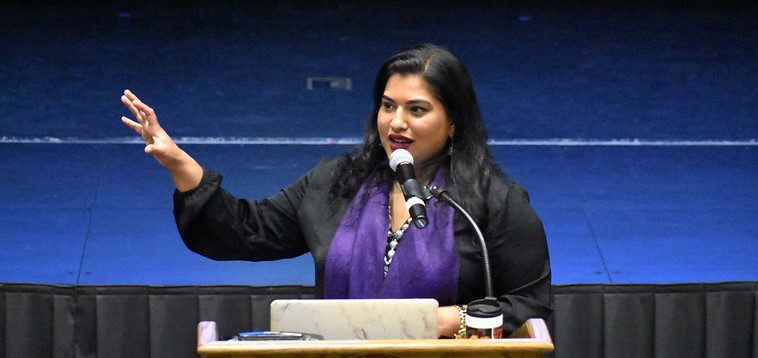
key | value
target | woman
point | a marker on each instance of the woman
(351, 216)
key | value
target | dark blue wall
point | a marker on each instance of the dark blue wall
(587, 71)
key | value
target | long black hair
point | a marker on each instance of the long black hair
(467, 166)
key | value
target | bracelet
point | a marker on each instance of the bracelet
(462, 328)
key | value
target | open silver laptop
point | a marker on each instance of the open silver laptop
(358, 319)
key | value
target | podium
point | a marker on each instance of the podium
(532, 339)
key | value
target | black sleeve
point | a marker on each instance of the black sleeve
(215, 224)
(519, 260)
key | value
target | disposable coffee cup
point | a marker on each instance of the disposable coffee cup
(484, 319)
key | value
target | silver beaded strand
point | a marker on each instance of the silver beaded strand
(393, 238)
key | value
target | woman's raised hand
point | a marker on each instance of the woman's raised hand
(185, 171)
(157, 141)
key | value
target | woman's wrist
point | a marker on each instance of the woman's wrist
(185, 171)
(449, 321)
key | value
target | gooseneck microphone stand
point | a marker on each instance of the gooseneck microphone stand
(488, 307)
(442, 195)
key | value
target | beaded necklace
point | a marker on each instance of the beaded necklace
(393, 238)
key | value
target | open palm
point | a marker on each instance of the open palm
(157, 142)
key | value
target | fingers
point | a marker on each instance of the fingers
(148, 122)
(137, 128)
(132, 124)
(130, 95)
(149, 113)
(134, 99)
(128, 103)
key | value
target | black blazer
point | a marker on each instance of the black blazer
(304, 217)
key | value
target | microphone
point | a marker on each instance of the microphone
(401, 162)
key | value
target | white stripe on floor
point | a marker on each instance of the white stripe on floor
(357, 140)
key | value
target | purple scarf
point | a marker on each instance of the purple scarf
(425, 264)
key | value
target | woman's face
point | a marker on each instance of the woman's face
(411, 118)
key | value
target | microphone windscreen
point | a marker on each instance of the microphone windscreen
(400, 156)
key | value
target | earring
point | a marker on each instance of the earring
(450, 147)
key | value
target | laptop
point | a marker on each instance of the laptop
(414, 318)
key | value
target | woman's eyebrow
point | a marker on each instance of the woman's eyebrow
(420, 101)
(413, 101)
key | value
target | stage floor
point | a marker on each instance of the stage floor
(566, 77)
(102, 213)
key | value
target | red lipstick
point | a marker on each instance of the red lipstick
(399, 142)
